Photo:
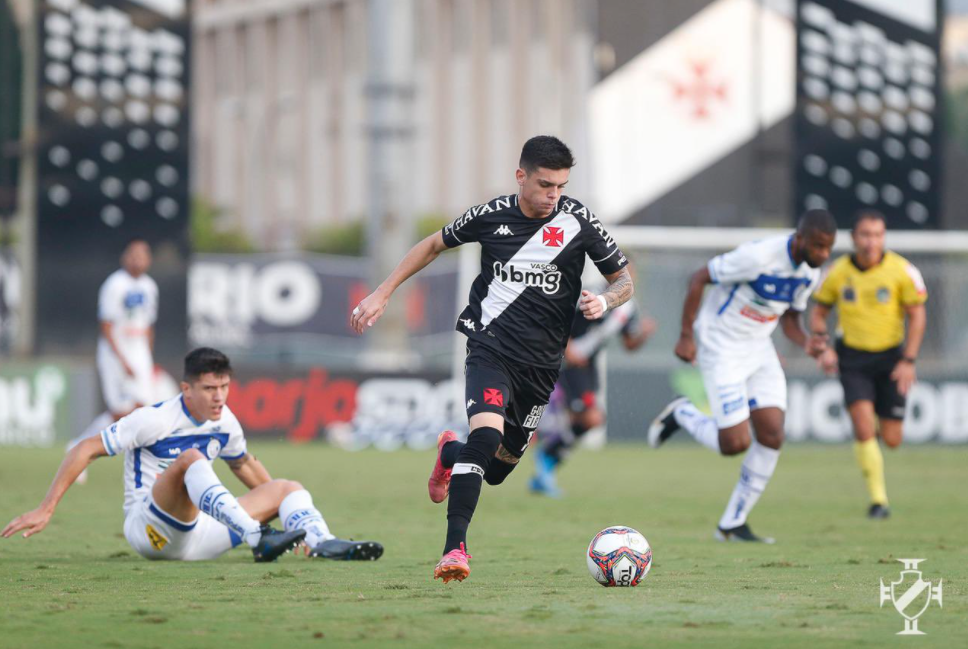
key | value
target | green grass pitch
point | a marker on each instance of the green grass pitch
(78, 584)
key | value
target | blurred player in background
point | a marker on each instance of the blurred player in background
(127, 308)
(873, 290)
(756, 286)
(175, 507)
(579, 383)
(517, 322)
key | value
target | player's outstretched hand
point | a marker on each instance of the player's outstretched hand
(33, 522)
(367, 312)
(591, 307)
(686, 349)
(905, 376)
(827, 362)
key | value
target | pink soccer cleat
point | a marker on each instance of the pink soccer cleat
(439, 483)
(453, 565)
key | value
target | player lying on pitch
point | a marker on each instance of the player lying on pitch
(175, 507)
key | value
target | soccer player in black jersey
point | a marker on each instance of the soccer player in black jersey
(533, 248)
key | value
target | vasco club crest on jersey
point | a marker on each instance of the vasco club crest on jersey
(553, 237)
(910, 595)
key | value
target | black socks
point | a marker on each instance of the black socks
(470, 465)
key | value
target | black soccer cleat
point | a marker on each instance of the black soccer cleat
(343, 550)
(743, 533)
(878, 511)
(665, 425)
(273, 543)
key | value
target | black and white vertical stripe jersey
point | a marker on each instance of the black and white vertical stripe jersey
(523, 302)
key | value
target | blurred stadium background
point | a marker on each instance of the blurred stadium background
(281, 155)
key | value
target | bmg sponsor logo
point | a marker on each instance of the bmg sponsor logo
(547, 277)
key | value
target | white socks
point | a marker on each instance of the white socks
(755, 473)
(700, 426)
(210, 495)
(298, 513)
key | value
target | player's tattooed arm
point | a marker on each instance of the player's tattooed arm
(620, 288)
(619, 291)
(249, 470)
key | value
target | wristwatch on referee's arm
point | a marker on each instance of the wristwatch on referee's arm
(909, 359)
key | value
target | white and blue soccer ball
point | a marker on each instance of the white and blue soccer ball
(619, 556)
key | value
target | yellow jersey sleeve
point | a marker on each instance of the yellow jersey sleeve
(829, 290)
(913, 290)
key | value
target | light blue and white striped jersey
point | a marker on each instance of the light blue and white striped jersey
(753, 286)
(152, 437)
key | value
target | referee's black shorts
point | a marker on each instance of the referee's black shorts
(519, 393)
(866, 376)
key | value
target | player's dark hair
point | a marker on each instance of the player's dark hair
(817, 221)
(867, 215)
(545, 151)
(205, 360)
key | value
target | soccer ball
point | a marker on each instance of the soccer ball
(619, 556)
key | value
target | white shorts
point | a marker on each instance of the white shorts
(155, 535)
(736, 384)
(122, 392)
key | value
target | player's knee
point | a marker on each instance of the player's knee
(482, 444)
(734, 444)
(892, 441)
(190, 456)
(290, 486)
(771, 438)
(592, 418)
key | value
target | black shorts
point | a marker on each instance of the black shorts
(866, 376)
(580, 385)
(519, 393)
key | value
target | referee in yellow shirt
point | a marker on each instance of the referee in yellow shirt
(873, 290)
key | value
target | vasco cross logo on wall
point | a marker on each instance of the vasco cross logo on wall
(911, 595)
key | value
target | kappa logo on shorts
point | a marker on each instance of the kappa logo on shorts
(493, 397)
(158, 542)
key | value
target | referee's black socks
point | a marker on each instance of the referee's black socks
(465, 483)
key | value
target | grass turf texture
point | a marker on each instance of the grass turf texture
(78, 584)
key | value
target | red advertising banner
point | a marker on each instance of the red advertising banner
(351, 409)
